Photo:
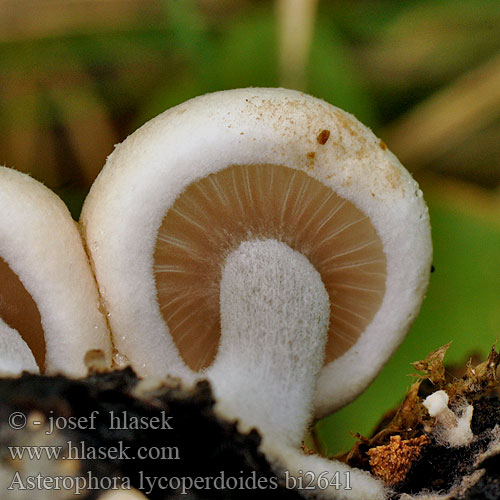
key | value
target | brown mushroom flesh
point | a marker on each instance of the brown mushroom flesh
(19, 311)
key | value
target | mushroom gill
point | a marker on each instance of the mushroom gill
(244, 202)
(19, 311)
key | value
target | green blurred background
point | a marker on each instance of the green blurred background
(78, 76)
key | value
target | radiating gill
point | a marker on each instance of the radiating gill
(19, 311)
(215, 214)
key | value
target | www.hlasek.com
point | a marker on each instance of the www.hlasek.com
(80, 450)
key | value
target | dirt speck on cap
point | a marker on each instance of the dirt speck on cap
(323, 136)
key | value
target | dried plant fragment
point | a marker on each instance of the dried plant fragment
(391, 462)
(454, 423)
(432, 365)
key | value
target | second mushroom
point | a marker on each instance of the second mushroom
(269, 242)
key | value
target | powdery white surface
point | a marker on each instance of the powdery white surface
(275, 314)
(436, 403)
(145, 174)
(290, 462)
(41, 243)
(15, 355)
(461, 434)
(453, 428)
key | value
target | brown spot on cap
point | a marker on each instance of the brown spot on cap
(323, 136)
(382, 145)
(311, 155)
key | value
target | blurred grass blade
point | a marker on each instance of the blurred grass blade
(447, 118)
(24, 144)
(31, 19)
(333, 75)
(20, 127)
(295, 34)
(247, 55)
(425, 43)
(188, 26)
(85, 119)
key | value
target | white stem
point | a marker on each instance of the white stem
(317, 477)
(275, 315)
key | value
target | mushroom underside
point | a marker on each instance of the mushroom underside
(215, 214)
(20, 312)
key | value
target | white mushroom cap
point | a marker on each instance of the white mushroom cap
(436, 403)
(42, 254)
(147, 173)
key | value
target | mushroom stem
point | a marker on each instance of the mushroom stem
(275, 315)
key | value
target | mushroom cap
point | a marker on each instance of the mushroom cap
(41, 245)
(436, 402)
(147, 173)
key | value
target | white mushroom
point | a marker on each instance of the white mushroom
(49, 304)
(239, 183)
(453, 429)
